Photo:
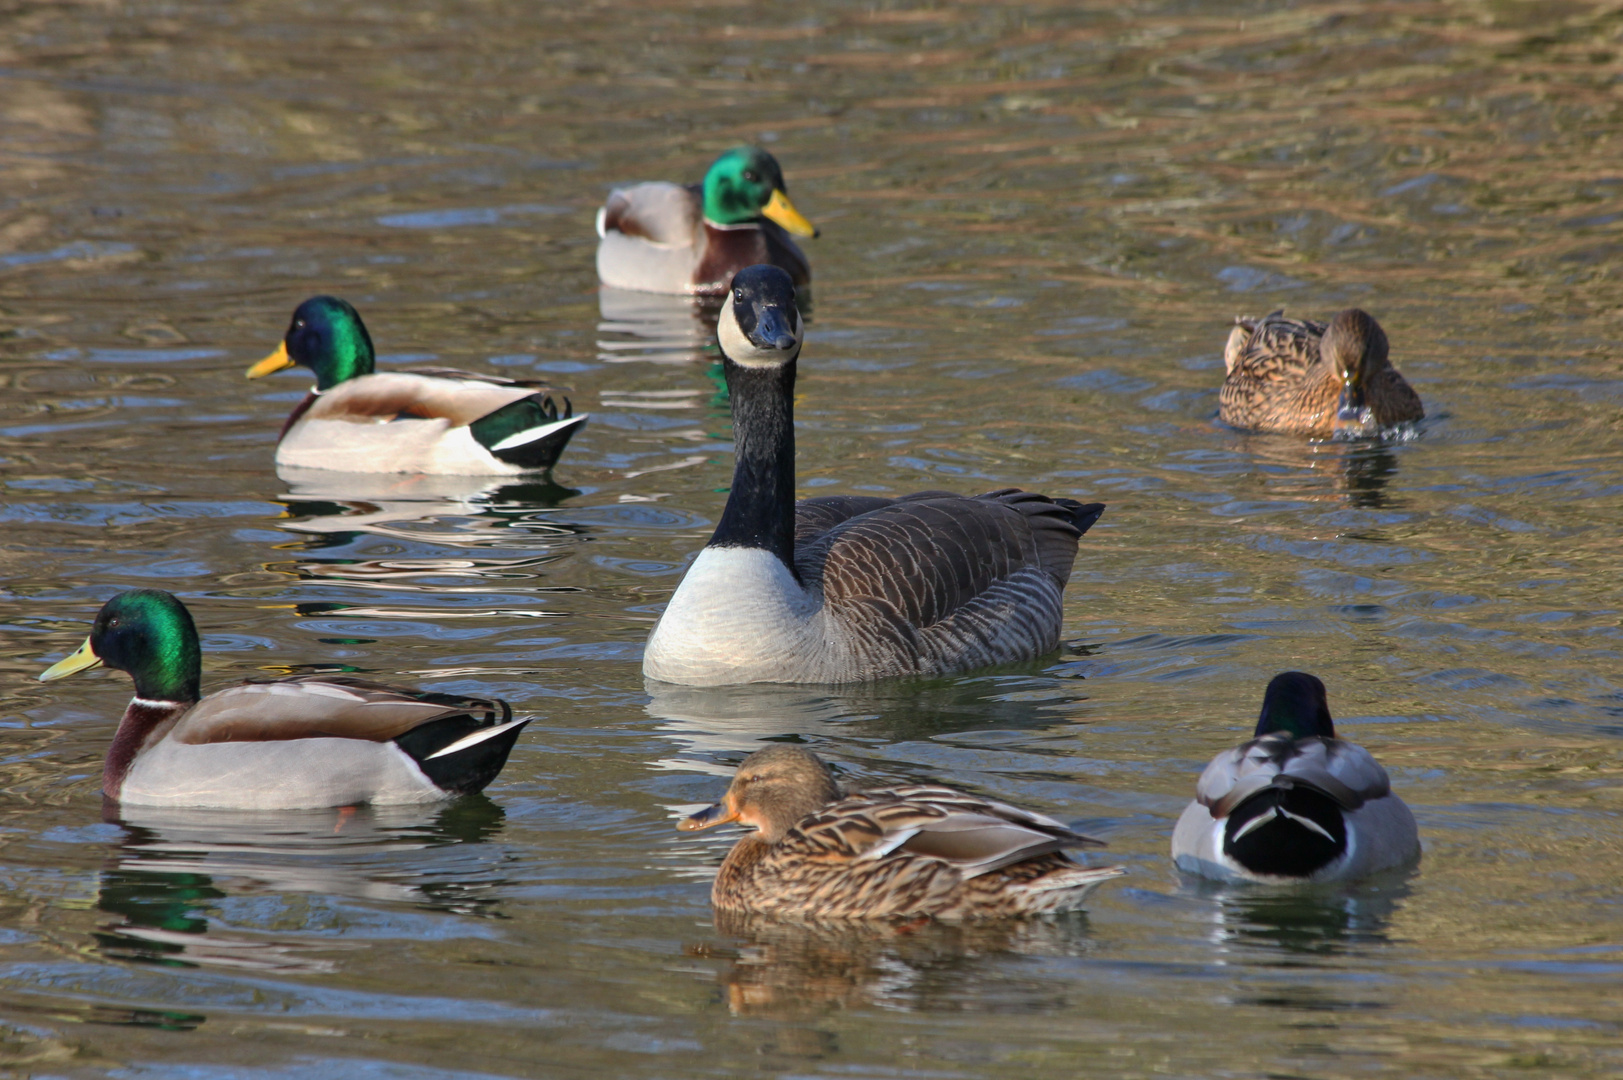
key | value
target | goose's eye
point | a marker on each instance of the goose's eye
(752, 176)
(738, 294)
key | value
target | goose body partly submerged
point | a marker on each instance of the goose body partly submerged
(1295, 803)
(917, 851)
(1297, 376)
(304, 742)
(414, 420)
(850, 588)
(672, 238)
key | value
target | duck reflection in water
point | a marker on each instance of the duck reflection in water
(1355, 473)
(462, 511)
(789, 970)
(177, 867)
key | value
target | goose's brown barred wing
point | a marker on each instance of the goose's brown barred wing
(814, 517)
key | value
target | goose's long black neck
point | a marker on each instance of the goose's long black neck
(760, 509)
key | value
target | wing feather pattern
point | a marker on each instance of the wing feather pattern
(1343, 771)
(319, 707)
(460, 400)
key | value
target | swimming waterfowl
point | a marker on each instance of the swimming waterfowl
(849, 588)
(918, 851)
(414, 420)
(304, 742)
(670, 238)
(1295, 803)
(1300, 377)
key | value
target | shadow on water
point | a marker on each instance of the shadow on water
(175, 865)
(1356, 473)
(728, 721)
(792, 970)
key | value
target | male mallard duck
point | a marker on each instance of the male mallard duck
(918, 851)
(305, 742)
(414, 420)
(667, 238)
(1301, 377)
(849, 588)
(1295, 803)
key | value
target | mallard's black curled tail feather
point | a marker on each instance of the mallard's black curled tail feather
(528, 433)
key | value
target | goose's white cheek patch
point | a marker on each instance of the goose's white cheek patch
(741, 350)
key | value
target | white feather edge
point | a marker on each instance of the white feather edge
(477, 737)
(532, 434)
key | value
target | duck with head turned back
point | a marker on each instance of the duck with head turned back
(1295, 803)
(1299, 377)
(917, 851)
(412, 420)
(850, 588)
(667, 238)
(302, 743)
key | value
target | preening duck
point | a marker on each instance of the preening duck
(1295, 803)
(850, 588)
(893, 853)
(414, 420)
(1300, 377)
(304, 742)
(670, 238)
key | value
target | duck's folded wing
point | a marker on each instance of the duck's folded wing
(1340, 770)
(319, 707)
(814, 517)
(922, 559)
(976, 836)
(1274, 346)
(386, 395)
(661, 213)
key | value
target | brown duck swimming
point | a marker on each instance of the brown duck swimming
(918, 851)
(1301, 377)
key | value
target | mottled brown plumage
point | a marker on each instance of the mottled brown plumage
(1300, 377)
(918, 851)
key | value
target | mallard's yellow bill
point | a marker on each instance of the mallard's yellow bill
(781, 210)
(80, 660)
(278, 360)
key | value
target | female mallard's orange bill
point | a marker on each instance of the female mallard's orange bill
(718, 814)
(276, 361)
(79, 661)
(781, 210)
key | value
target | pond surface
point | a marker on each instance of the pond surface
(1039, 221)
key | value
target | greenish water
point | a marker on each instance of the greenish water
(1038, 222)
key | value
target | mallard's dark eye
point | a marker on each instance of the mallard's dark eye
(298, 324)
(752, 176)
(112, 624)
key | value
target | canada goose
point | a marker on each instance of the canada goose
(670, 238)
(1300, 377)
(894, 853)
(309, 741)
(1295, 803)
(414, 420)
(850, 588)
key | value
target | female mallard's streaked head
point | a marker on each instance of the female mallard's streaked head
(148, 633)
(773, 791)
(760, 324)
(744, 185)
(1295, 703)
(327, 336)
(1355, 345)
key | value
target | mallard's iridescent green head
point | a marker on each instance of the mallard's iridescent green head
(746, 184)
(326, 336)
(148, 633)
(1295, 703)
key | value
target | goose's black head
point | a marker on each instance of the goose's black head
(760, 325)
(1295, 703)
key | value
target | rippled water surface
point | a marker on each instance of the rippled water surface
(1038, 222)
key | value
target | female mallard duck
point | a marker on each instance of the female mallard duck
(1295, 803)
(304, 742)
(415, 420)
(918, 851)
(667, 238)
(1300, 377)
(850, 588)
